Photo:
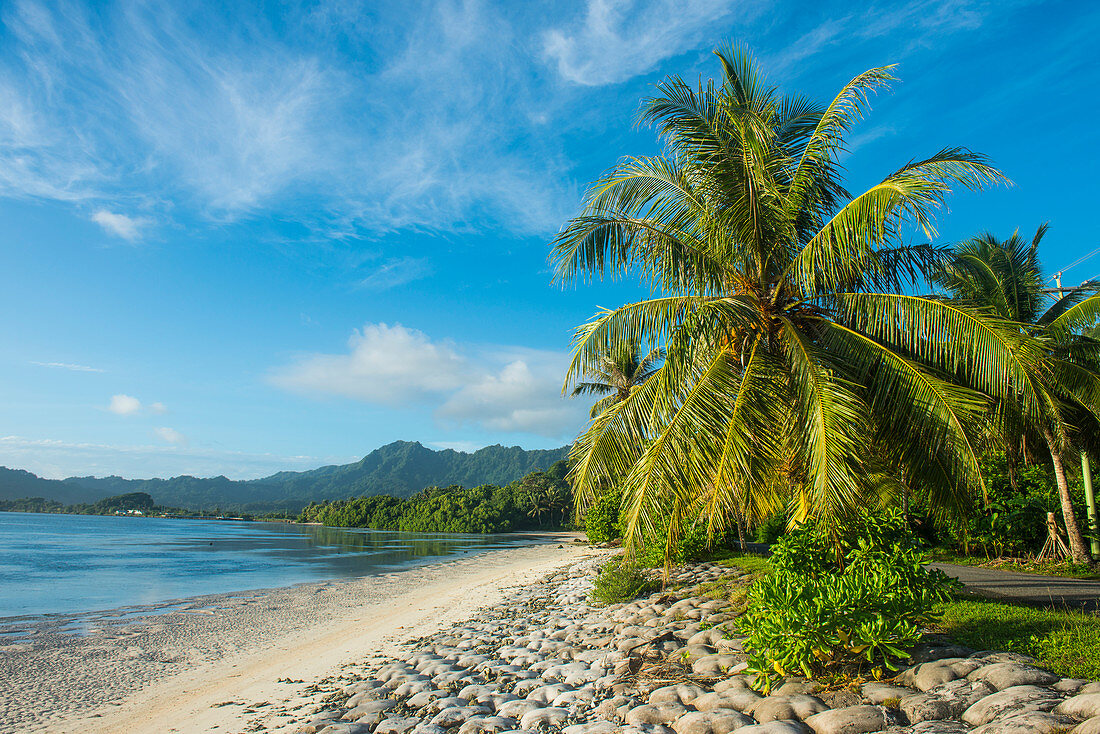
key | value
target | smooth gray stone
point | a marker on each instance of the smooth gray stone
(787, 726)
(661, 713)
(797, 686)
(681, 693)
(927, 676)
(848, 720)
(1007, 675)
(1082, 706)
(877, 692)
(949, 726)
(550, 716)
(777, 708)
(1010, 701)
(731, 698)
(715, 665)
(487, 725)
(718, 721)
(1092, 726)
(397, 725)
(600, 726)
(947, 701)
(1028, 722)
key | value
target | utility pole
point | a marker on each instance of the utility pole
(1090, 504)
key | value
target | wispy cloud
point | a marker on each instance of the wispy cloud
(396, 272)
(502, 389)
(58, 459)
(170, 435)
(120, 225)
(68, 366)
(615, 40)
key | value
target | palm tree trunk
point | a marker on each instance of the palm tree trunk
(1076, 541)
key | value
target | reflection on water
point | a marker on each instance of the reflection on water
(67, 563)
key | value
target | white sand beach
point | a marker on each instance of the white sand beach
(240, 662)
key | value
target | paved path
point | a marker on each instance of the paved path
(1027, 588)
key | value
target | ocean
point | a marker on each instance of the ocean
(74, 563)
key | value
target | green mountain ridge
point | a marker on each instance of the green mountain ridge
(401, 469)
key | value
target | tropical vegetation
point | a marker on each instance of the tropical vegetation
(538, 501)
(803, 376)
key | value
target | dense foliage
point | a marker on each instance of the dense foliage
(835, 602)
(541, 500)
(124, 504)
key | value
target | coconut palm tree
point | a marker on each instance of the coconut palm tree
(1005, 277)
(616, 373)
(794, 371)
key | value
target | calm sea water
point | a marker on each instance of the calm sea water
(73, 563)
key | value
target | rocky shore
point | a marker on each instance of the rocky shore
(547, 660)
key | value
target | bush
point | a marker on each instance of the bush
(601, 521)
(772, 528)
(837, 603)
(618, 581)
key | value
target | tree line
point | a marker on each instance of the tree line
(538, 501)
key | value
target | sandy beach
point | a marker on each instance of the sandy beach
(231, 662)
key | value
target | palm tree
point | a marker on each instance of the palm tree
(618, 372)
(794, 371)
(1006, 278)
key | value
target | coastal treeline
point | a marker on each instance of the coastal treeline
(538, 501)
(131, 503)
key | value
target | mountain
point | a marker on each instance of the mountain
(400, 469)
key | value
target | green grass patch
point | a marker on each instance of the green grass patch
(618, 582)
(1064, 642)
(755, 565)
(1067, 568)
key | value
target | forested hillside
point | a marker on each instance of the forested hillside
(399, 469)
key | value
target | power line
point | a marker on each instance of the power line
(1075, 263)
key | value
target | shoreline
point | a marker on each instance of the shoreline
(175, 665)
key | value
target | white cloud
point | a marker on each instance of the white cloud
(68, 366)
(57, 459)
(170, 435)
(524, 396)
(386, 365)
(509, 390)
(616, 40)
(120, 225)
(158, 408)
(124, 405)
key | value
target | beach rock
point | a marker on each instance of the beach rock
(661, 713)
(850, 720)
(787, 726)
(1007, 675)
(1092, 726)
(546, 694)
(947, 701)
(599, 726)
(1070, 685)
(551, 716)
(1093, 687)
(948, 726)
(927, 676)
(683, 693)
(718, 721)
(797, 686)
(715, 665)
(1082, 706)
(397, 725)
(1028, 722)
(777, 708)
(487, 725)
(456, 715)
(1010, 701)
(730, 698)
(341, 728)
(877, 692)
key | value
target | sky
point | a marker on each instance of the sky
(241, 238)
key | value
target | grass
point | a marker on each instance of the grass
(736, 591)
(1064, 642)
(1067, 569)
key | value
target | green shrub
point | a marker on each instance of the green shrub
(771, 528)
(837, 603)
(601, 521)
(618, 581)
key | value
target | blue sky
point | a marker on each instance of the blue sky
(279, 235)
